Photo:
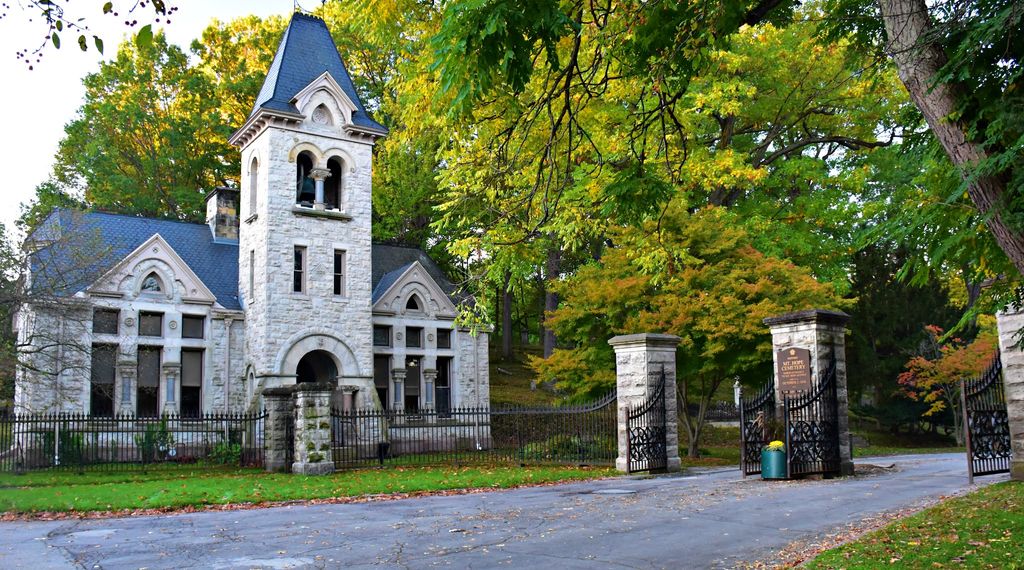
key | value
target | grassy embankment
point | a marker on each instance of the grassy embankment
(980, 530)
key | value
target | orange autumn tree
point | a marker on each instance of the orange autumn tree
(934, 376)
(695, 275)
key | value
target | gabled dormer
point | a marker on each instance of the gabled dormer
(153, 271)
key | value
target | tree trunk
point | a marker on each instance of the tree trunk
(506, 318)
(918, 61)
(553, 270)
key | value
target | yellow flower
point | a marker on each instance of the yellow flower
(776, 446)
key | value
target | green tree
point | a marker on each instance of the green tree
(149, 139)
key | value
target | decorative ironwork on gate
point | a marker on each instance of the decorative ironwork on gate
(986, 422)
(812, 428)
(646, 447)
(756, 414)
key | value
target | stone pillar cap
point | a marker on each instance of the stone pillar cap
(809, 316)
(651, 339)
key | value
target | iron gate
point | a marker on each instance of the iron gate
(646, 447)
(812, 428)
(986, 427)
(755, 416)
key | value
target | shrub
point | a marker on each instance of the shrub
(226, 453)
(155, 442)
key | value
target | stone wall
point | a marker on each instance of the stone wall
(313, 429)
(277, 443)
(1010, 323)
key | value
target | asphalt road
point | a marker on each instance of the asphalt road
(711, 520)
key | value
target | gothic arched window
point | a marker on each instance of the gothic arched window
(305, 188)
(413, 304)
(152, 284)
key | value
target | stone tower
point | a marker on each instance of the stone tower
(304, 236)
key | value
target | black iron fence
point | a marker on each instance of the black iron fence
(82, 442)
(986, 422)
(583, 434)
(646, 446)
(720, 411)
(757, 419)
(812, 428)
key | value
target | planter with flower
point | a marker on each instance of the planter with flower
(773, 460)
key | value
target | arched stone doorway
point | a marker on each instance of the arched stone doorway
(316, 366)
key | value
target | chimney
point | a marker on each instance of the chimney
(222, 212)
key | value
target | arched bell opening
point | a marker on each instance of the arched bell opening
(305, 186)
(333, 185)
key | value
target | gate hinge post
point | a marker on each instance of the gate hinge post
(639, 362)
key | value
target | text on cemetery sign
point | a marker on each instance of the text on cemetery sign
(794, 370)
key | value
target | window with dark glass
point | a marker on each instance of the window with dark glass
(101, 401)
(413, 337)
(299, 270)
(104, 321)
(444, 338)
(192, 326)
(412, 383)
(339, 272)
(191, 382)
(148, 392)
(381, 377)
(381, 335)
(413, 304)
(151, 324)
(442, 387)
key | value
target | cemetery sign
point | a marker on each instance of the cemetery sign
(793, 369)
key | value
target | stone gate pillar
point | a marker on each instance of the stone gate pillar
(313, 429)
(822, 333)
(277, 442)
(1010, 323)
(636, 357)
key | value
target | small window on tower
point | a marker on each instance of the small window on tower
(339, 272)
(299, 270)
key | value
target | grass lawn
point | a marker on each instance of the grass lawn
(872, 450)
(183, 486)
(980, 530)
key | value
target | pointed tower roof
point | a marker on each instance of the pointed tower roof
(305, 53)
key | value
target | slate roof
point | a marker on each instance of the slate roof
(305, 53)
(85, 245)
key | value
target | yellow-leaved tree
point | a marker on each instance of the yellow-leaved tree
(695, 275)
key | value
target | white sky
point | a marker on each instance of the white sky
(38, 103)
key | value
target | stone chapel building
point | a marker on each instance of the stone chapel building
(282, 285)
